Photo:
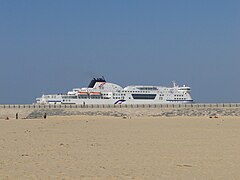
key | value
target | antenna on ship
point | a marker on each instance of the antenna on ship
(174, 83)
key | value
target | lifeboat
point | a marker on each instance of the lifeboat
(95, 93)
(82, 93)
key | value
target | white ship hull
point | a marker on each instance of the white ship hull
(101, 92)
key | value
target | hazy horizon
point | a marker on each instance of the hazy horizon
(54, 46)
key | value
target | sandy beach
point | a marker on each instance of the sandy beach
(99, 147)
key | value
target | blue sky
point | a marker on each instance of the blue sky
(54, 46)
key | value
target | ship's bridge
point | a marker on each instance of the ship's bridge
(141, 88)
(184, 88)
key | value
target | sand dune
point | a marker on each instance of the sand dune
(97, 147)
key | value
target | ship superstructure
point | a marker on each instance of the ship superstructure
(101, 92)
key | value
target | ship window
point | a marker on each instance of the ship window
(144, 96)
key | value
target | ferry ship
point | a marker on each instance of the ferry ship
(101, 92)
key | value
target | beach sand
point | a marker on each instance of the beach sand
(98, 147)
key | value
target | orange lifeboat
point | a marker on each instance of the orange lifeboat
(95, 93)
(82, 93)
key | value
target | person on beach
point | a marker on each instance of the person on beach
(45, 116)
(16, 115)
